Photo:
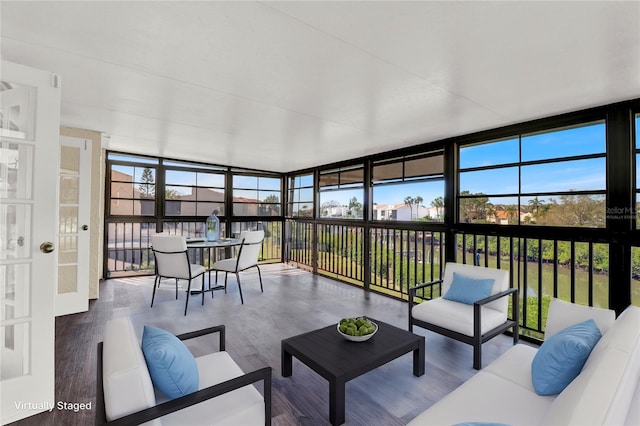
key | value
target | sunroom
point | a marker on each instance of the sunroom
(372, 142)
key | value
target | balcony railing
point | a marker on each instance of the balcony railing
(402, 258)
(341, 252)
(543, 268)
(398, 258)
(573, 270)
(128, 249)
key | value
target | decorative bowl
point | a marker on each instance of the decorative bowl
(358, 338)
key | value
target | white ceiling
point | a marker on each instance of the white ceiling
(287, 85)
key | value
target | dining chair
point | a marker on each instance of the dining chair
(172, 261)
(247, 258)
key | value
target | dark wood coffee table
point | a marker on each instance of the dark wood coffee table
(338, 360)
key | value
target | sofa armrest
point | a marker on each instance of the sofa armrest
(205, 331)
(412, 290)
(263, 374)
(496, 296)
(514, 310)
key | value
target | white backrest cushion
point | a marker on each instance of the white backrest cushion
(587, 399)
(125, 379)
(500, 277)
(250, 249)
(602, 393)
(564, 314)
(171, 265)
(623, 335)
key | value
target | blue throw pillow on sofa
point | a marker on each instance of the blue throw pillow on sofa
(171, 365)
(561, 358)
(468, 290)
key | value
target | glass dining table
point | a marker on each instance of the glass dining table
(203, 244)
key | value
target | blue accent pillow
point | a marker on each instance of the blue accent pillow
(561, 357)
(468, 290)
(171, 365)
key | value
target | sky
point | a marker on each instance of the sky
(586, 174)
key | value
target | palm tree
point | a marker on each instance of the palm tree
(438, 203)
(418, 200)
(510, 210)
(409, 200)
(535, 205)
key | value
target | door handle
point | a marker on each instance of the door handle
(47, 247)
(85, 227)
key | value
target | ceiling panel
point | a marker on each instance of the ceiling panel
(288, 85)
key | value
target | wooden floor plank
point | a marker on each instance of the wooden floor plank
(294, 301)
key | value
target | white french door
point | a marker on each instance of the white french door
(74, 184)
(29, 129)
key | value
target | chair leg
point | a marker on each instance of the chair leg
(155, 284)
(225, 282)
(260, 278)
(239, 288)
(186, 302)
(176, 289)
(477, 355)
(202, 289)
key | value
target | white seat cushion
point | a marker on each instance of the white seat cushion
(228, 265)
(487, 398)
(197, 270)
(241, 407)
(456, 316)
(513, 365)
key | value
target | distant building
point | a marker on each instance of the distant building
(400, 212)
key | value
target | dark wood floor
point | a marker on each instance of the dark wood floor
(294, 301)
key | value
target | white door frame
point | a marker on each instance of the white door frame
(30, 388)
(71, 302)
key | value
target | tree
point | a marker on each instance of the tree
(438, 204)
(147, 185)
(511, 211)
(409, 200)
(418, 200)
(171, 194)
(576, 210)
(474, 207)
(269, 204)
(354, 206)
(538, 209)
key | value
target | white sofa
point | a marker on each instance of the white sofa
(606, 392)
(126, 395)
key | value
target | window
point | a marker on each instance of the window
(301, 196)
(193, 193)
(342, 192)
(256, 195)
(133, 189)
(409, 188)
(555, 178)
